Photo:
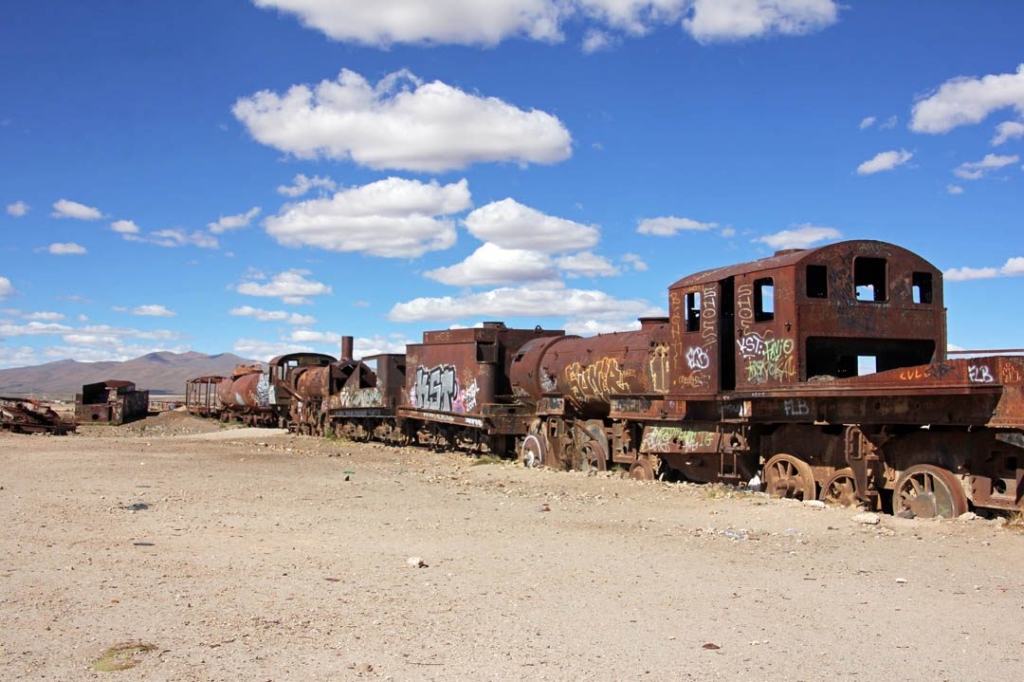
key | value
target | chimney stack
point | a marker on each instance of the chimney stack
(346, 348)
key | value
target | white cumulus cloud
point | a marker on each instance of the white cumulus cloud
(174, 238)
(729, 20)
(124, 227)
(272, 315)
(975, 170)
(488, 22)
(311, 336)
(153, 311)
(635, 261)
(233, 222)
(1007, 130)
(401, 123)
(392, 218)
(291, 286)
(669, 225)
(491, 264)
(511, 225)
(965, 101)
(587, 264)
(884, 161)
(63, 208)
(17, 209)
(301, 185)
(1013, 267)
(66, 249)
(800, 237)
(541, 299)
(6, 288)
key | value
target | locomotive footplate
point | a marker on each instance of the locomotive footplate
(468, 420)
(360, 413)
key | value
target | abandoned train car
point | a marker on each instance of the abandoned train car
(824, 371)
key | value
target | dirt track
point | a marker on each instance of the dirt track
(249, 555)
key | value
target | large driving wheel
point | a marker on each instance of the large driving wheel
(927, 491)
(642, 470)
(534, 451)
(840, 488)
(788, 476)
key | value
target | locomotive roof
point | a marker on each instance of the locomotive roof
(793, 257)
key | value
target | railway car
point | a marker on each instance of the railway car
(823, 371)
(458, 390)
(252, 394)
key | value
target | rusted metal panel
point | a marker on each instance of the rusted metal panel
(26, 415)
(460, 370)
(803, 314)
(113, 401)
(248, 388)
(201, 396)
(590, 372)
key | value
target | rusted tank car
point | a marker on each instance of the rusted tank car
(110, 402)
(578, 377)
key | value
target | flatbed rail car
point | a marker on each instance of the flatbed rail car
(824, 371)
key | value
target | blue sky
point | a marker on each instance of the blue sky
(263, 176)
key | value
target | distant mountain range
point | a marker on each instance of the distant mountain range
(159, 373)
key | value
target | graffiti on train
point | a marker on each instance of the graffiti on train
(437, 388)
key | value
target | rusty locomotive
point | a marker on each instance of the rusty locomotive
(822, 371)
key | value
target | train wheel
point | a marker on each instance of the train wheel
(533, 452)
(841, 488)
(927, 491)
(642, 470)
(788, 476)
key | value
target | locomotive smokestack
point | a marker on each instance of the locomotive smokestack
(346, 348)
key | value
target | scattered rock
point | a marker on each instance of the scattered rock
(968, 516)
(814, 504)
(901, 581)
(867, 518)
(416, 562)
(710, 645)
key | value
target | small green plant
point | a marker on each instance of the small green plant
(121, 657)
(487, 459)
(1016, 521)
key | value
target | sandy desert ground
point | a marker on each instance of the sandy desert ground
(236, 554)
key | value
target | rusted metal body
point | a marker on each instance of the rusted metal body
(359, 398)
(201, 396)
(25, 415)
(110, 402)
(458, 389)
(589, 371)
(823, 372)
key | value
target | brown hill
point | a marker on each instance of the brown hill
(159, 373)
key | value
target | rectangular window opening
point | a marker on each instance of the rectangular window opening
(866, 364)
(921, 283)
(764, 299)
(692, 311)
(817, 281)
(869, 279)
